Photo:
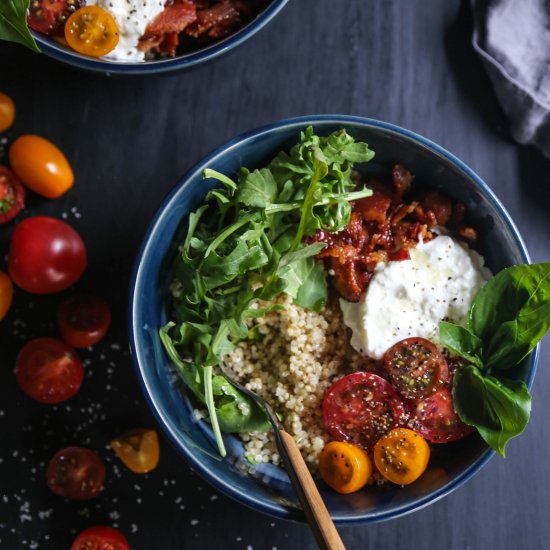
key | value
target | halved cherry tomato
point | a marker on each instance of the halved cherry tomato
(41, 165)
(344, 467)
(401, 456)
(100, 538)
(83, 319)
(91, 30)
(76, 473)
(48, 370)
(6, 294)
(360, 407)
(12, 195)
(138, 449)
(416, 367)
(46, 255)
(435, 419)
(49, 16)
(7, 112)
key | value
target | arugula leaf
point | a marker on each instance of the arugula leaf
(306, 283)
(498, 408)
(13, 23)
(511, 314)
(258, 188)
(462, 342)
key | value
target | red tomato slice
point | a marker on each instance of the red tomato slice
(417, 369)
(49, 16)
(76, 473)
(46, 255)
(83, 320)
(360, 408)
(100, 538)
(48, 370)
(12, 195)
(435, 419)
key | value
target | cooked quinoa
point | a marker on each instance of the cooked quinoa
(298, 354)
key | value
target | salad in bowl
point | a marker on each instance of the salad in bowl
(351, 286)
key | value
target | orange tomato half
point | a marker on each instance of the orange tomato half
(344, 467)
(7, 112)
(92, 31)
(6, 294)
(401, 456)
(138, 449)
(41, 166)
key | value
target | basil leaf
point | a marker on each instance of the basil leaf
(461, 341)
(13, 23)
(511, 314)
(498, 408)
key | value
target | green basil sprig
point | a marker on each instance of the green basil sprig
(506, 320)
(13, 23)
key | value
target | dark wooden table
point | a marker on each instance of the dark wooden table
(129, 140)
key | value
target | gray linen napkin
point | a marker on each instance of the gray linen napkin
(513, 39)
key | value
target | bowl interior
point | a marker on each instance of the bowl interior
(267, 488)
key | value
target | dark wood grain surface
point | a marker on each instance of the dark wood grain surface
(129, 140)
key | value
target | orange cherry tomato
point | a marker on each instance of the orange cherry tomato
(138, 449)
(7, 112)
(401, 456)
(6, 294)
(41, 166)
(91, 31)
(344, 467)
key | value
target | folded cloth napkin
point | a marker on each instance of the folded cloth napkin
(513, 39)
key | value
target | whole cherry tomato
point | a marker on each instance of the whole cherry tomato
(42, 167)
(91, 30)
(100, 538)
(7, 112)
(46, 255)
(6, 294)
(48, 370)
(12, 195)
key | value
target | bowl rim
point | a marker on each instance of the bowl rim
(213, 51)
(218, 482)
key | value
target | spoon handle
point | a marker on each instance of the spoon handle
(319, 519)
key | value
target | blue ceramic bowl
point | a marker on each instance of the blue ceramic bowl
(67, 55)
(268, 489)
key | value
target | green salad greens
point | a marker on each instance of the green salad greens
(506, 320)
(13, 23)
(245, 244)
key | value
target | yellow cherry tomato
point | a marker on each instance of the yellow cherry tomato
(6, 294)
(7, 112)
(91, 31)
(401, 456)
(41, 166)
(344, 467)
(138, 449)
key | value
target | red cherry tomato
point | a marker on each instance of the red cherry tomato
(48, 370)
(46, 255)
(76, 473)
(360, 408)
(435, 419)
(100, 538)
(12, 195)
(49, 16)
(83, 320)
(416, 367)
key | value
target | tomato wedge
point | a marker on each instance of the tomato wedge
(48, 370)
(83, 320)
(49, 16)
(6, 294)
(401, 456)
(416, 367)
(361, 407)
(92, 31)
(100, 538)
(12, 195)
(435, 419)
(138, 449)
(76, 473)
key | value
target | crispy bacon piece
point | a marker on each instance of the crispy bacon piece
(374, 208)
(217, 21)
(402, 180)
(440, 205)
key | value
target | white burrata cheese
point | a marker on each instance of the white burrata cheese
(410, 297)
(132, 18)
